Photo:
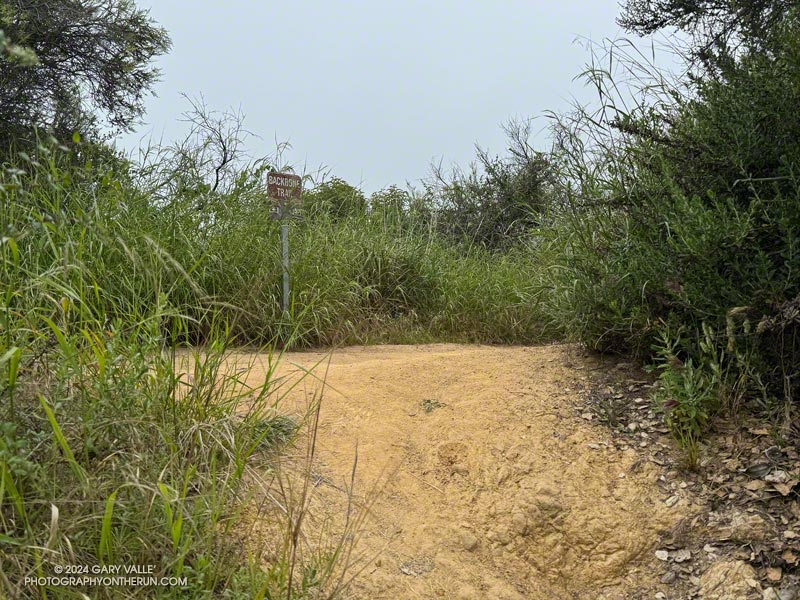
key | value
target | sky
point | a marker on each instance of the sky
(375, 91)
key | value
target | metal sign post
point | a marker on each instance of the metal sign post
(287, 190)
(285, 255)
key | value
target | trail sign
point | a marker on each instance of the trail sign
(286, 189)
(284, 186)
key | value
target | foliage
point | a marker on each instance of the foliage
(335, 199)
(361, 270)
(354, 279)
(718, 29)
(681, 212)
(499, 199)
(688, 393)
(92, 58)
(12, 52)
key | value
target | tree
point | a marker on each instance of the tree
(14, 52)
(92, 64)
(718, 29)
(499, 199)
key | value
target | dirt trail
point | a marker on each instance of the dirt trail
(490, 485)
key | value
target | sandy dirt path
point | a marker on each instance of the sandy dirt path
(484, 483)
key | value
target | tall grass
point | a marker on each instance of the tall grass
(356, 277)
(108, 454)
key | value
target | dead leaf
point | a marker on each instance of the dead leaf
(774, 573)
(778, 476)
(756, 485)
(784, 489)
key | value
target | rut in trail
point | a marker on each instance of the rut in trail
(487, 486)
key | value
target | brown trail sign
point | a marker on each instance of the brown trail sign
(286, 189)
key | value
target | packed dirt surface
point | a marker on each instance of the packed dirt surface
(480, 478)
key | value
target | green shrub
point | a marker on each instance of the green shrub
(681, 212)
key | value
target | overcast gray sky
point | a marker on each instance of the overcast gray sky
(375, 90)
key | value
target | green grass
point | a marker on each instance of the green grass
(107, 455)
(354, 280)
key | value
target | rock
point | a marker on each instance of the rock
(662, 555)
(741, 527)
(460, 469)
(729, 580)
(781, 594)
(671, 501)
(680, 556)
(468, 540)
(660, 596)
(669, 577)
(519, 523)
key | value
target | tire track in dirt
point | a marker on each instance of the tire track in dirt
(486, 484)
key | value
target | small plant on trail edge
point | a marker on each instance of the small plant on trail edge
(688, 395)
(430, 405)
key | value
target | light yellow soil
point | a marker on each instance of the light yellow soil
(494, 493)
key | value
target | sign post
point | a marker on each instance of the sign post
(286, 189)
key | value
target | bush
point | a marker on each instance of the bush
(683, 215)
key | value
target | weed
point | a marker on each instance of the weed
(688, 395)
(431, 405)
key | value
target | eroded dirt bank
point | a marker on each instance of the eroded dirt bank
(483, 480)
